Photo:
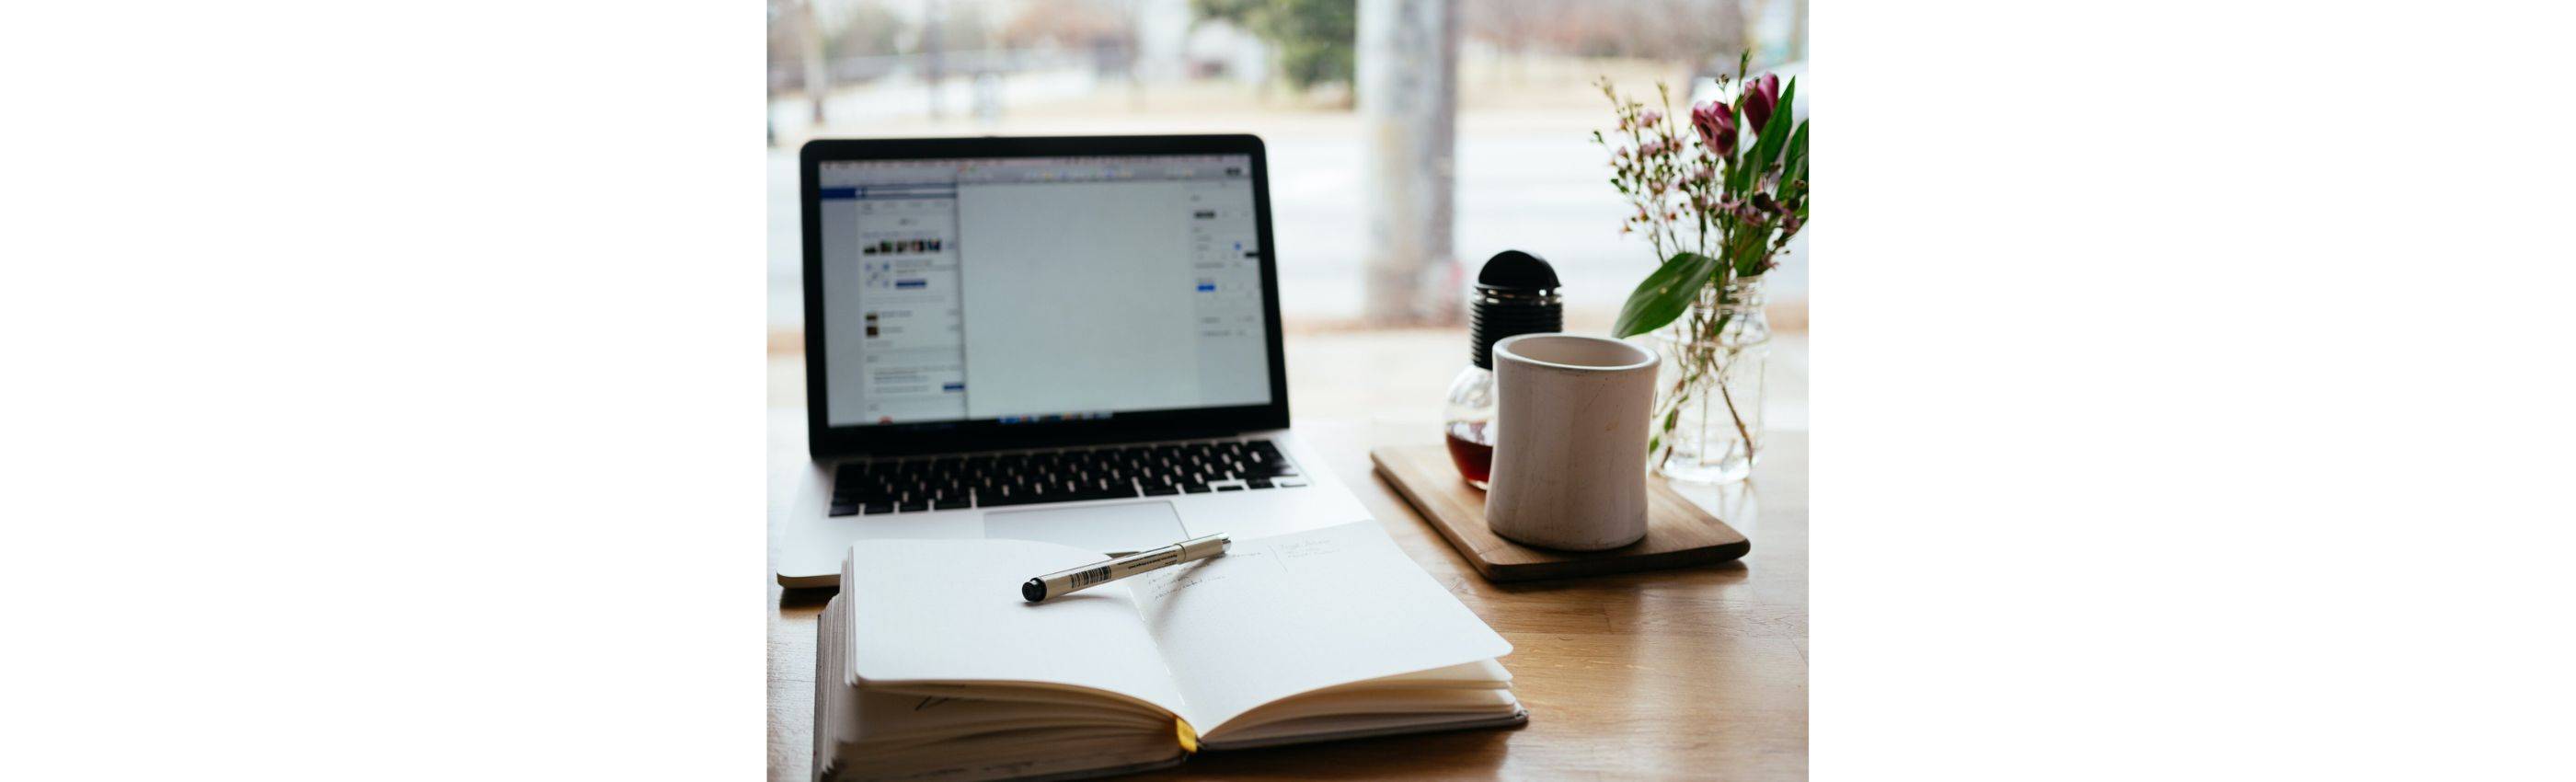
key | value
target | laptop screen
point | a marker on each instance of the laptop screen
(1039, 289)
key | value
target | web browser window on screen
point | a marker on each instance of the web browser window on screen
(1029, 288)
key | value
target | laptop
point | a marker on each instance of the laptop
(1070, 339)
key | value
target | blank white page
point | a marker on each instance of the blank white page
(950, 611)
(1287, 614)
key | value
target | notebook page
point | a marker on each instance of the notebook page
(950, 611)
(1287, 614)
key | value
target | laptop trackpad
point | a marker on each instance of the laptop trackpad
(1102, 528)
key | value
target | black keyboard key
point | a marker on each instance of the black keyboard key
(947, 504)
(1229, 487)
(845, 509)
(1264, 459)
(1269, 469)
(1007, 495)
(875, 508)
(916, 506)
(1195, 488)
(1098, 490)
(1153, 491)
(1257, 483)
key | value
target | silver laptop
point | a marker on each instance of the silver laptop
(1064, 339)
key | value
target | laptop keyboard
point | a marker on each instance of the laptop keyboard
(990, 480)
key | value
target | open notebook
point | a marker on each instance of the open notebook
(930, 666)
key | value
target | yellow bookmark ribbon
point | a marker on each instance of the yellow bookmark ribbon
(1189, 738)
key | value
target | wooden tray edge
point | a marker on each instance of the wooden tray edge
(1539, 571)
(1422, 515)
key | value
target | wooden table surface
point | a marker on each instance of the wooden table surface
(1697, 673)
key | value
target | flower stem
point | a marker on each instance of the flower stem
(1740, 431)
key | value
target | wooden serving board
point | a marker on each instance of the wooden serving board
(1678, 532)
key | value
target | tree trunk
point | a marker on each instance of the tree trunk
(1731, 36)
(818, 73)
(1408, 95)
(1798, 31)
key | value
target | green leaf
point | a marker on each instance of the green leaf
(1663, 295)
(1763, 151)
(1788, 97)
(1796, 162)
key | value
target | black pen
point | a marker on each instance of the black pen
(1087, 576)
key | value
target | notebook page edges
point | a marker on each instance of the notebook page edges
(950, 612)
(830, 698)
(1289, 614)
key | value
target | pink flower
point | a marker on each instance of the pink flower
(1650, 117)
(1716, 125)
(1761, 96)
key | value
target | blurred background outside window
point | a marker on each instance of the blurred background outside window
(1522, 101)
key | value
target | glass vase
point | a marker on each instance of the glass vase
(1708, 406)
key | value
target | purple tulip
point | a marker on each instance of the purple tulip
(1761, 95)
(1716, 125)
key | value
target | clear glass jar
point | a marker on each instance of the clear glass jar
(1708, 411)
(1468, 424)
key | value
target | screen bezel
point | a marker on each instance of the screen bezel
(825, 441)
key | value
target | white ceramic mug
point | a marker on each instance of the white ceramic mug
(1570, 441)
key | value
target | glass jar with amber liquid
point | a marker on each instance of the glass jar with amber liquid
(1516, 293)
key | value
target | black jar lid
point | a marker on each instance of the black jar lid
(1516, 293)
(1516, 271)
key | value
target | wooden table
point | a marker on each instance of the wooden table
(1698, 673)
